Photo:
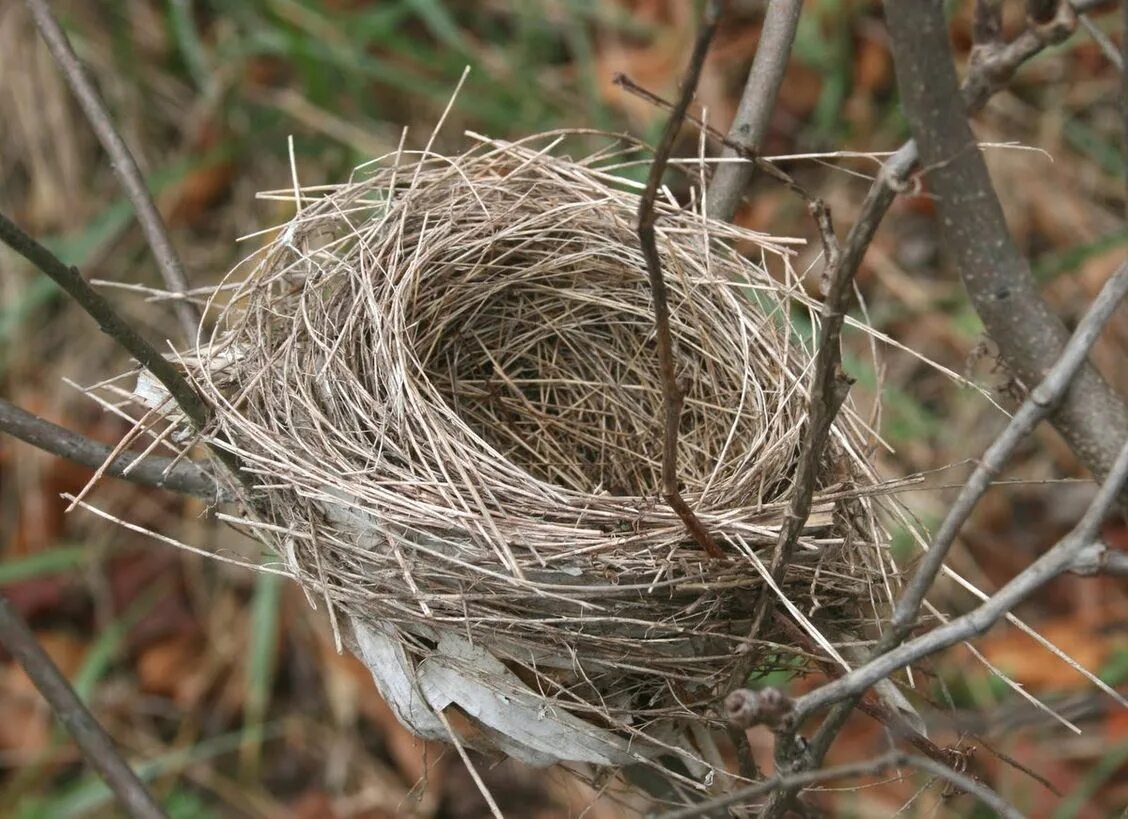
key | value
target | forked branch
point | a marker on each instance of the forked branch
(1030, 335)
(113, 325)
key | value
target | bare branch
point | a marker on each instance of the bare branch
(988, 74)
(1042, 400)
(829, 387)
(998, 280)
(993, 66)
(756, 106)
(1061, 558)
(874, 767)
(761, 164)
(673, 392)
(113, 325)
(983, 79)
(1037, 406)
(162, 473)
(156, 234)
(88, 735)
(1106, 45)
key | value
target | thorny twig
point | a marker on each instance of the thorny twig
(673, 392)
(156, 234)
(88, 735)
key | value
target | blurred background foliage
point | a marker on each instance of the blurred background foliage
(227, 686)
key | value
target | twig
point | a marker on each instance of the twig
(874, 767)
(98, 308)
(988, 74)
(756, 106)
(998, 280)
(1057, 560)
(745, 708)
(88, 735)
(761, 164)
(993, 65)
(672, 391)
(1104, 43)
(176, 475)
(1037, 406)
(153, 226)
(829, 387)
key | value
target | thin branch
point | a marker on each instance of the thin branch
(672, 391)
(829, 387)
(1104, 43)
(1042, 401)
(153, 226)
(162, 473)
(1030, 335)
(1061, 558)
(874, 767)
(113, 325)
(1038, 405)
(770, 168)
(988, 74)
(757, 104)
(88, 735)
(993, 66)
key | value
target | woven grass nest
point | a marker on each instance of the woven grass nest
(443, 375)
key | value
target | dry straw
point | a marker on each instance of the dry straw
(443, 376)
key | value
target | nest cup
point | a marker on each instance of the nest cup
(444, 376)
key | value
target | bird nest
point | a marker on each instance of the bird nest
(443, 377)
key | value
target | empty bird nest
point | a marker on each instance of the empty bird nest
(442, 376)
